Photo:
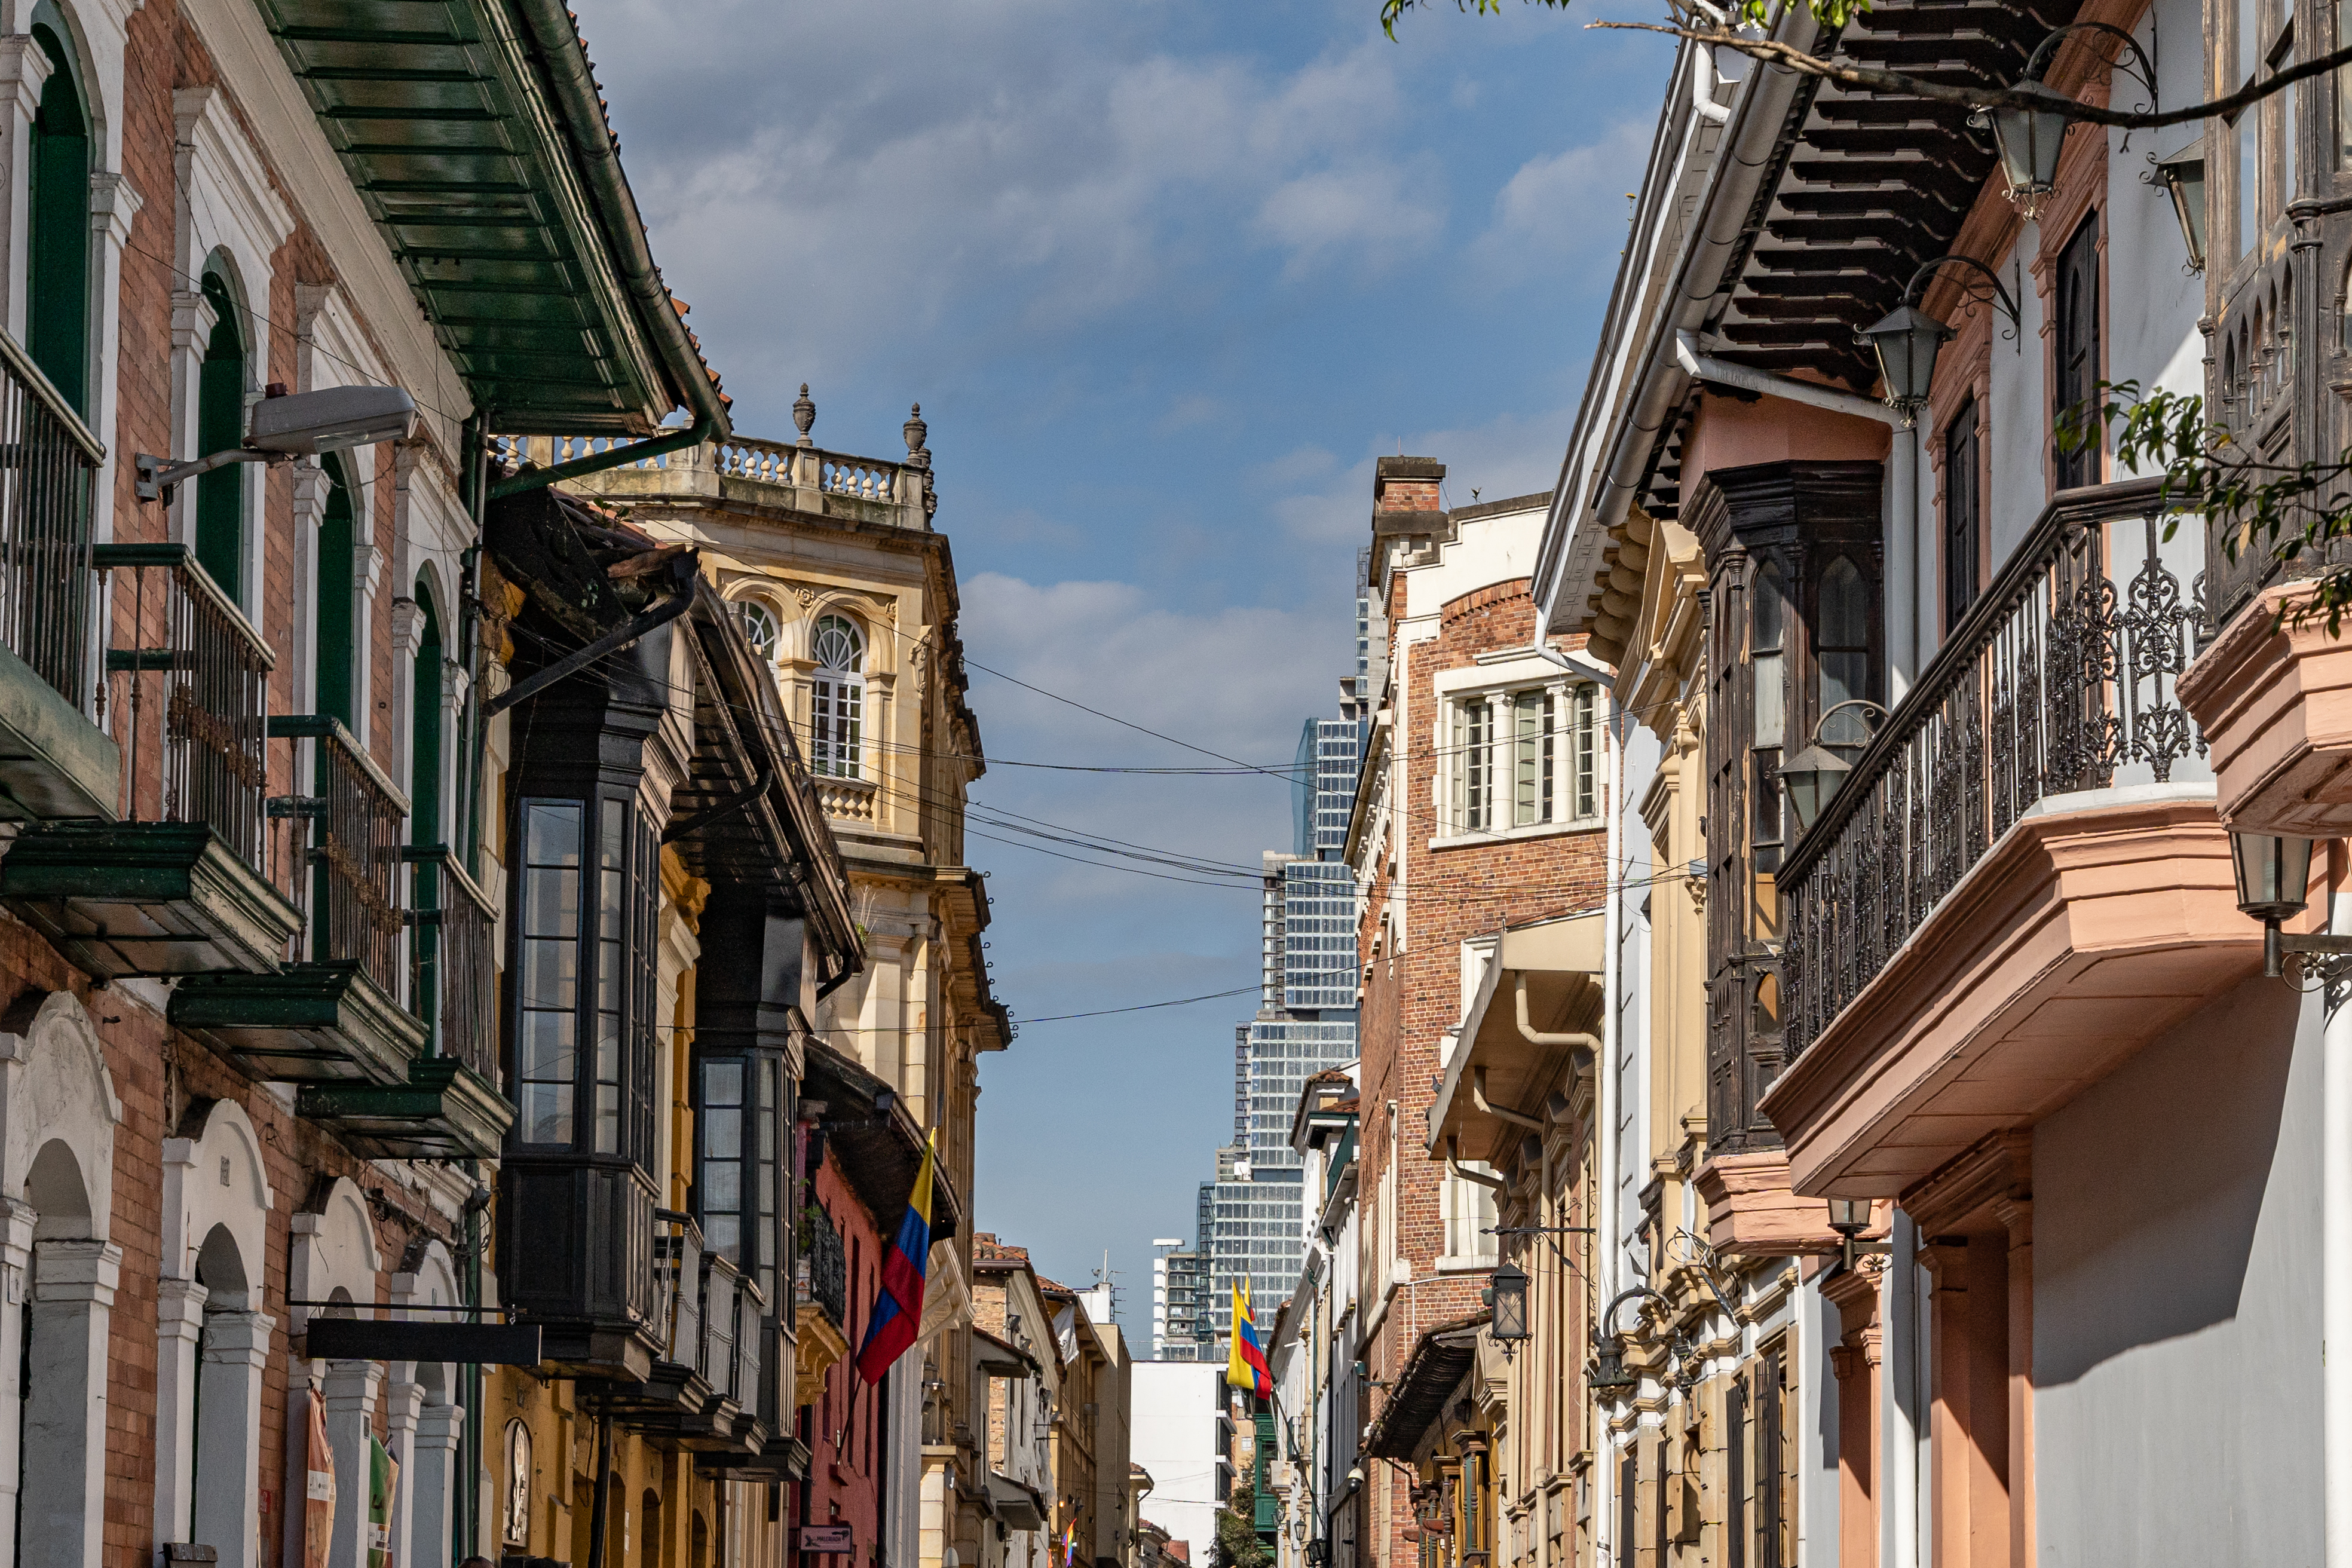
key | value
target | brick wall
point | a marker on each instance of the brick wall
(1412, 994)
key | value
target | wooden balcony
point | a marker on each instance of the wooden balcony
(2013, 890)
(179, 880)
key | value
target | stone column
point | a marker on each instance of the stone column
(1949, 1417)
(113, 202)
(2016, 1214)
(228, 1437)
(15, 1277)
(65, 1411)
(179, 1330)
(432, 1484)
(403, 1404)
(350, 1394)
(1855, 1359)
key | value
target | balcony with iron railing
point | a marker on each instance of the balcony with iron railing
(2021, 879)
(820, 1305)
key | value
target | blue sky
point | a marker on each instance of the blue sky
(1166, 278)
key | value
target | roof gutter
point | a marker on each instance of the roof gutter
(703, 428)
(1757, 118)
(558, 40)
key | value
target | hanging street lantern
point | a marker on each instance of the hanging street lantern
(1506, 1293)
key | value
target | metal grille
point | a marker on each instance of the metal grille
(351, 829)
(186, 696)
(49, 472)
(452, 983)
(2055, 679)
(827, 1268)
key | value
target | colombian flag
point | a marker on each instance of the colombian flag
(899, 1310)
(1246, 1362)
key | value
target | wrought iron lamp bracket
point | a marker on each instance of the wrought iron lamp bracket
(2000, 299)
(2326, 960)
(2144, 74)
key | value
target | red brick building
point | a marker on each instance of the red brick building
(1480, 806)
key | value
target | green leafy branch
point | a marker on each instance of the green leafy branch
(2288, 510)
(1743, 26)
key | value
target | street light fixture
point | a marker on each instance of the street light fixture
(285, 425)
(1850, 1218)
(2031, 135)
(1611, 1378)
(2273, 874)
(1507, 1295)
(2182, 175)
(1907, 338)
(1813, 775)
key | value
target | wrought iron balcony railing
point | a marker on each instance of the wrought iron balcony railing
(2059, 678)
(49, 479)
(347, 834)
(452, 983)
(186, 696)
(824, 1268)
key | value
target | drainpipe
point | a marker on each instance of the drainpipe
(2336, 1263)
(1499, 1112)
(1703, 85)
(694, 435)
(1604, 1089)
(1465, 1174)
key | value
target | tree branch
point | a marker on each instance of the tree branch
(1773, 51)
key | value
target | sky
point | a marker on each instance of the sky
(1166, 279)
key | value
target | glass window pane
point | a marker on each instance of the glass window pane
(546, 1112)
(550, 902)
(1771, 701)
(544, 1051)
(1844, 676)
(720, 1233)
(1846, 610)
(722, 1082)
(722, 1134)
(551, 972)
(552, 834)
(1771, 607)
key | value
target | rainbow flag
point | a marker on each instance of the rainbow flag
(1246, 1362)
(1070, 1542)
(899, 1310)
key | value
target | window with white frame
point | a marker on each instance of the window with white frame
(837, 700)
(1469, 1216)
(1521, 758)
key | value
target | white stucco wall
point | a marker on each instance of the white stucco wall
(1174, 1436)
(2177, 1299)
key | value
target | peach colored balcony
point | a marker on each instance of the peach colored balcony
(2022, 880)
(2275, 703)
(1752, 1212)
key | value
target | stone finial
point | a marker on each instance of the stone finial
(804, 414)
(917, 432)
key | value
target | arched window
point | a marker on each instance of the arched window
(759, 624)
(837, 705)
(220, 424)
(57, 315)
(337, 532)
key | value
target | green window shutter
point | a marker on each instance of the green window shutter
(220, 424)
(337, 532)
(57, 321)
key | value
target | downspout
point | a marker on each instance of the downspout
(1585, 1043)
(694, 435)
(1605, 1089)
(1499, 1112)
(1465, 1174)
(2336, 1264)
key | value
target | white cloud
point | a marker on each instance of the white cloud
(1510, 456)
(1565, 205)
(826, 190)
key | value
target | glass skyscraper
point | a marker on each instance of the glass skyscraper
(1306, 1024)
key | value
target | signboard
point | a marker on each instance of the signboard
(361, 1339)
(826, 1538)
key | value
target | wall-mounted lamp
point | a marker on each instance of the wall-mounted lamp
(2182, 175)
(2274, 876)
(284, 426)
(1907, 338)
(2030, 136)
(1850, 1218)
(1612, 1378)
(1813, 777)
(1507, 1295)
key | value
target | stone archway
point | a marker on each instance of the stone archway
(212, 1341)
(58, 1112)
